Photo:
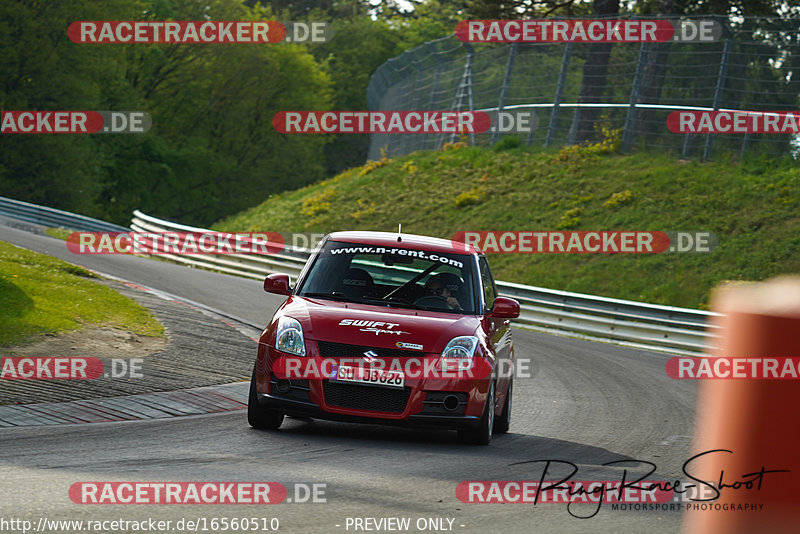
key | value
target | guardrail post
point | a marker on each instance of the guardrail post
(562, 78)
(512, 53)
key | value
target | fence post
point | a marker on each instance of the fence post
(562, 77)
(630, 119)
(415, 141)
(723, 71)
(534, 122)
(470, 61)
(512, 53)
(417, 79)
(434, 89)
(685, 147)
(464, 86)
(378, 85)
(573, 127)
(436, 79)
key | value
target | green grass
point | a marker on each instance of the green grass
(751, 206)
(58, 233)
(41, 294)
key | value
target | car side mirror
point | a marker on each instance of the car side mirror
(505, 308)
(277, 283)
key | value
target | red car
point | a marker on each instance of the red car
(388, 328)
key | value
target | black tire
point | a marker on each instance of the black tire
(503, 423)
(483, 434)
(257, 415)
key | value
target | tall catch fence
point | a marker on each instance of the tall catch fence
(753, 66)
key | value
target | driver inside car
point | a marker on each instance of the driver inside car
(444, 285)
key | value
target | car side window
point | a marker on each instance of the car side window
(489, 291)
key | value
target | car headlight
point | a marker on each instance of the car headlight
(289, 337)
(457, 355)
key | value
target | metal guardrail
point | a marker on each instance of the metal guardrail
(647, 326)
(636, 324)
(291, 261)
(16, 209)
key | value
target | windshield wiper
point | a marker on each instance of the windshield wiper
(413, 281)
(393, 300)
(335, 295)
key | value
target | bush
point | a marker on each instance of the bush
(506, 143)
(468, 198)
(619, 199)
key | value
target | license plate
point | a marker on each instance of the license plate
(367, 376)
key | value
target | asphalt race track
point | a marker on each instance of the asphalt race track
(584, 403)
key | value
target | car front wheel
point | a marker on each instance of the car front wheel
(257, 415)
(483, 434)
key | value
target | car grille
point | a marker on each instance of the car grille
(329, 349)
(375, 399)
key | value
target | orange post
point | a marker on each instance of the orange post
(757, 420)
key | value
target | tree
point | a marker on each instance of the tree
(315, 10)
(42, 70)
(350, 63)
(654, 72)
(522, 9)
(595, 71)
(212, 150)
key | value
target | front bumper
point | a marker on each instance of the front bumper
(429, 398)
(303, 408)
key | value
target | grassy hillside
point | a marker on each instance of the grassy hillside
(41, 294)
(752, 207)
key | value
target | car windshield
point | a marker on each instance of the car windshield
(393, 276)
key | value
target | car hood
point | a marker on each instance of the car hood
(378, 326)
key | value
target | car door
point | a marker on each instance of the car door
(498, 329)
